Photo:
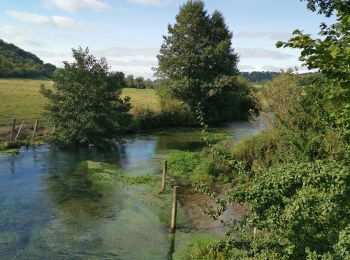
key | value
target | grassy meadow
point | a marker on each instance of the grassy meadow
(20, 99)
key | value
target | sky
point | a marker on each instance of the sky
(129, 32)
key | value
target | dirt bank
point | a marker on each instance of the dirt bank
(193, 201)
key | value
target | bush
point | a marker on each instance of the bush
(182, 165)
(301, 208)
(148, 119)
(211, 165)
(198, 249)
(260, 151)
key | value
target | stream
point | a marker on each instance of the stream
(47, 214)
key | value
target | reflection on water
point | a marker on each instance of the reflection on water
(50, 209)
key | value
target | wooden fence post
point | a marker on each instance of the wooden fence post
(172, 246)
(19, 130)
(13, 130)
(34, 131)
(165, 172)
(174, 211)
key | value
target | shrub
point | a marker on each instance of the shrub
(260, 150)
(300, 208)
(182, 165)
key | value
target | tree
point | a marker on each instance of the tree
(140, 82)
(130, 81)
(331, 55)
(327, 7)
(84, 104)
(198, 61)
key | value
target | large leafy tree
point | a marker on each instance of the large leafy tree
(198, 61)
(84, 104)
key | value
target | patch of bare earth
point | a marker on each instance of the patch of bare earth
(193, 202)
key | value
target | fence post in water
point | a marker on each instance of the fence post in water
(34, 131)
(174, 211)
(19, 130)
(13, 130)
(165, 172)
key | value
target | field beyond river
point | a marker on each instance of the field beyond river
(21, 99)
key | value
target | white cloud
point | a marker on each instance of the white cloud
(120, 52)
(271, 68)
(76, 5)
(136, 61)
(258, 34)
(246, 67)
(9, 29)
(61, 22)
(263, 53)
(150, 2)
(16, 35)
(29, 17)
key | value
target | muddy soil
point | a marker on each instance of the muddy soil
(193, 202)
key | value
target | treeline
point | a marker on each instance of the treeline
(259, 76)
(138, 82)
(15, 62)
(266, 76)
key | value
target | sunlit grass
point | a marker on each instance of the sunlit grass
(145, 98)
(20, 99)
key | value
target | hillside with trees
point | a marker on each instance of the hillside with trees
(259, 76)
(17, 63)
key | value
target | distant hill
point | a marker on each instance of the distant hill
(259, 76)
(15, 62)
(265, 76)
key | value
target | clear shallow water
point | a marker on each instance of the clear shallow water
(47, 213)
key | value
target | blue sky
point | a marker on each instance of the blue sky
(129, 32)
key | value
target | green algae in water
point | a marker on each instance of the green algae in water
(135, 229)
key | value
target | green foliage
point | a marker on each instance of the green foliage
(299, 207)
(182, 165)
(297, 180)
(147, 119)
(84, 104)
(138, 82)
(327, 7)
(15, 62)
(198, 64)
(330, 54)
(259, 151)
(197, 248)
(300, 119)
(211, 165)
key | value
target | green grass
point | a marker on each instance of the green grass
(20, 99)
(145, 98)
